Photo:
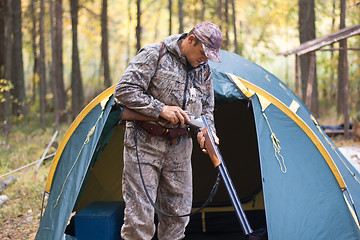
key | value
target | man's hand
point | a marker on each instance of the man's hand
(174, 114)
(201, 141)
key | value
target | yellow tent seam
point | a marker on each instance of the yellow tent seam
(319, 145)
(333, 147)
(248, 93)
(70, 131)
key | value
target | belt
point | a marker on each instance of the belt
(158, 130)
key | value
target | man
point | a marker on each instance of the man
(169, 80)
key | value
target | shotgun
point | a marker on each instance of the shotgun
(202, 125)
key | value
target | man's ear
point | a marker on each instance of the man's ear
(191, 39)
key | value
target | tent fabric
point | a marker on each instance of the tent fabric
(320, 198)
(69, 175)
(103, 96)
(282, 163)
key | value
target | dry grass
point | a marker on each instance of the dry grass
(26, 143)
(19, 217)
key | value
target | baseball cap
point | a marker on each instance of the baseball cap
(211, 38)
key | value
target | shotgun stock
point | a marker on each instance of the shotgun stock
(129, 115)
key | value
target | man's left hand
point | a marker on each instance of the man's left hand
(201, 141)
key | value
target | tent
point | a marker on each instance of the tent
(289, 175)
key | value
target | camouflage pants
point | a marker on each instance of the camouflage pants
(166, 168)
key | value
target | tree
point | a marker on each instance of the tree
(203, 9)
(138, 25)
(342, 57)
(308, 61)
(8, 64)
(77, 94)
(58, 63)
(227, 24)
(181, 16)
(220, 12)
(170, 17)
(34, 35)
(343, 81)
(128, 46)
(42, 69)
(52, 65)
(2, 56)
(105, 44)
(234, 25)
(17, 75)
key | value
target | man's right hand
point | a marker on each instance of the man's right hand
(174, 114)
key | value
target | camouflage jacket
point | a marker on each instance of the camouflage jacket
(147, 85)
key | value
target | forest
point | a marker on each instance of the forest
(57, 55)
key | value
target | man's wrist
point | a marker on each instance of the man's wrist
(163, 109)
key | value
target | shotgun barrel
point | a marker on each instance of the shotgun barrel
(219, 163)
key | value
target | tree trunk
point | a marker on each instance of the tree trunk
(2, 58)
(138, 26)
(8, 64)
(58, 63)
(234, 26)
(77, 94)
(220, 13)
(17, 75)
(203, 9)
(331, 94)
(34, 34)
(342, 55)
(343, 81)
(128, 45)
(42, 69)
(170, 17)
(181, 16)
(105, 44)
(52, 66)
(307, 32)
(227, 24)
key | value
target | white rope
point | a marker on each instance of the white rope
(276, 146)
(48, 156)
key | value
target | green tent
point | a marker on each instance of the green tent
(288, 174)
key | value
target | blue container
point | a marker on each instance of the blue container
(100, 220)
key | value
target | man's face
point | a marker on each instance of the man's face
(195, 55)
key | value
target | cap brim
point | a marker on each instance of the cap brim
(212, 54)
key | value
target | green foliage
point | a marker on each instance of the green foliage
(5, 86)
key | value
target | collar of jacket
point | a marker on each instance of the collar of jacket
(171, 44)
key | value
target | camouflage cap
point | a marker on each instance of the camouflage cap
(211, 37)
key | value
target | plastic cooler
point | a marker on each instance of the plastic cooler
(100, 220)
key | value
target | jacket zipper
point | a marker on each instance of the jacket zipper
(185, 90)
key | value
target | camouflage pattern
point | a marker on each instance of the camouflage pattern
(166, 166)
(146, 89)
(166, 170)
(211, 37)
